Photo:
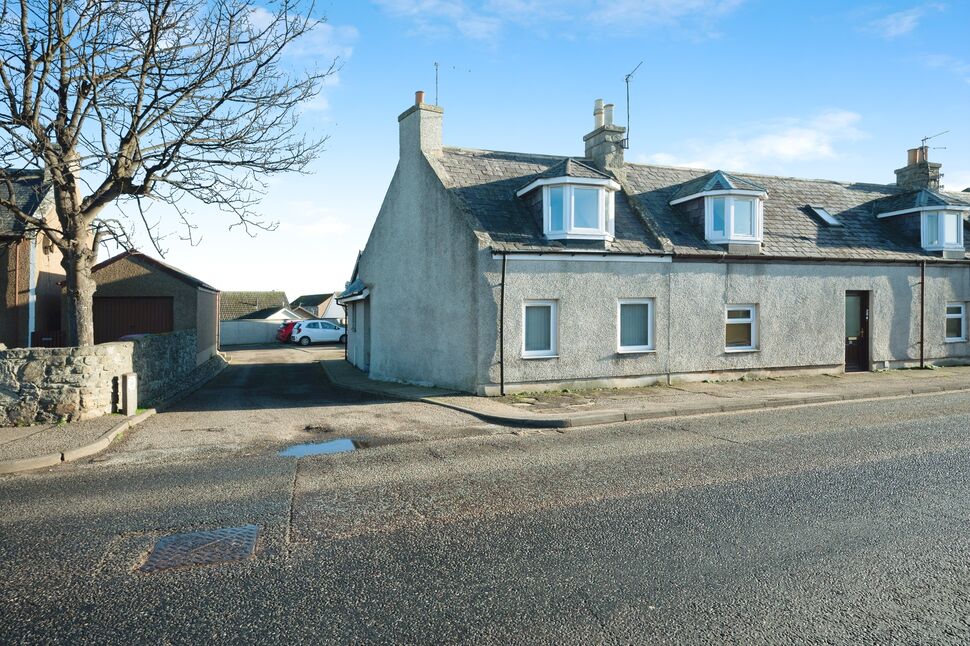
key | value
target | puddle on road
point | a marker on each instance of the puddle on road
(322, 448)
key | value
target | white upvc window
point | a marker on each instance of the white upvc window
(578, 212)
(733, 218)
(956, 322)
(740, 328)
(540, 329)
(634, 325)
(941, 230)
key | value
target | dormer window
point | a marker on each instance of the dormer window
(732, 218)
(942, 230)
(941, 218)
(732, 207)
(577, 202)
(576, 211)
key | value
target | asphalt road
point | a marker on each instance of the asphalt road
(840, 523)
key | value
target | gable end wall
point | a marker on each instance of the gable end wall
(420, 267)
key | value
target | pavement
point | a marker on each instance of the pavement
(839, 523)
(564, 409)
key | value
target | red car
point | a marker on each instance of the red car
(285, 331)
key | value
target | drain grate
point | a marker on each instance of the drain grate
(221, 545)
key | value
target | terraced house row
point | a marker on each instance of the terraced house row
(494, 272)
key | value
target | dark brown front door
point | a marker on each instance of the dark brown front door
(856, 331)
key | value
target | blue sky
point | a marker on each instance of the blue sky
(814, 89)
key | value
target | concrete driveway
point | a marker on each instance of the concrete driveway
(276, 395)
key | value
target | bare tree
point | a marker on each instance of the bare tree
(148, 100)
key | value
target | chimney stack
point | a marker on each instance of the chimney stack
(420, 128)
(919, 171)
(604, 145)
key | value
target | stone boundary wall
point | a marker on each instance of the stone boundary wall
(44, 385)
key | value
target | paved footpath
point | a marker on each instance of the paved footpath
(606, 406)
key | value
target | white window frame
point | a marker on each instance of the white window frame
(553, 350)
(752, 318)
(605, 217)
(962, 316)
(729, 235)
(942, 245)
(634, 349)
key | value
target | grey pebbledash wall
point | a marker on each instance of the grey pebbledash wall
(65, 384)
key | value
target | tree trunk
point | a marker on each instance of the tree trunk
(77, 263)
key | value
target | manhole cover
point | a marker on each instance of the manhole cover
(202, 548)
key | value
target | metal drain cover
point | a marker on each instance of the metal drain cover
(222, 545)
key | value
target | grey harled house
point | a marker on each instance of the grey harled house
(490, 269)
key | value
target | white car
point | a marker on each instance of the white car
(307, 332)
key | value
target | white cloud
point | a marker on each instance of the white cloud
(437, 17)
(308, 218)
(956, 66)
(484, 20)
(327, 41)
(903, 22)
(769, 144)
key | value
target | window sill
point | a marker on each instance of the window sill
(631, 351)
(954, 340)
(740, 350)
(533, 357)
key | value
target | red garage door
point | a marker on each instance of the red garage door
(115, 317)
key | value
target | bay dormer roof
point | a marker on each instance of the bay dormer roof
(918, 201)
(570, 171)
(716, 183)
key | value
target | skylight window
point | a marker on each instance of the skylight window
(826, 217)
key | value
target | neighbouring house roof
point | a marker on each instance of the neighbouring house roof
(310, 300)
(157, 264)
(483, 184)
(241, 305)
(29, 191)
(305, 314)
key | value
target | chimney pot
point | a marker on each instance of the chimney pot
(608, 114)
(419, 97)
(597, 114)
(911, 156)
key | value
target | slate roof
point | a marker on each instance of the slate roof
(918, 198)
(29, 191)
(250, 305)
(571, 167)
(716, 181)
(483, 184)
(310, 300)
(158, 264)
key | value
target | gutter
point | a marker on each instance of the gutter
(662, 257)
